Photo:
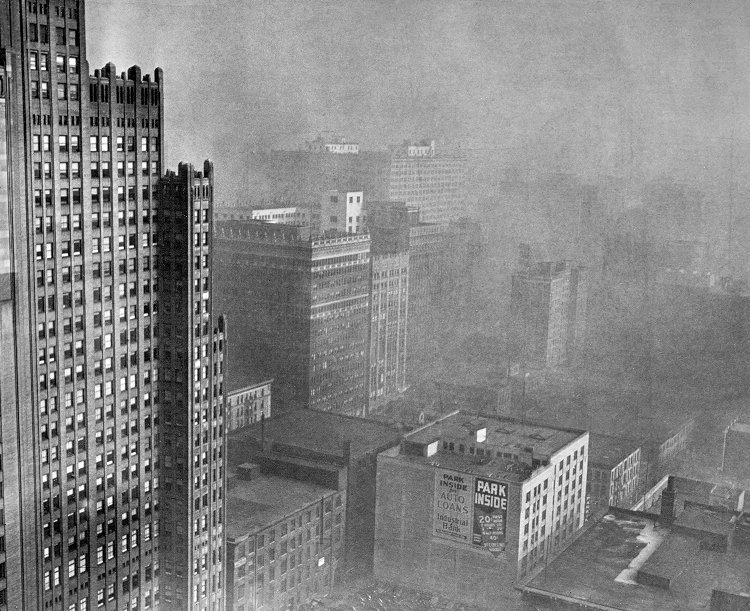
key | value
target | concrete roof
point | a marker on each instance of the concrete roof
(323, 432)
(593, 571)
(608, 451)
(505, 434)
(253, 505)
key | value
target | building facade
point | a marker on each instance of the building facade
(468, 506)
(338, 146)
(248, 405)
(429, 180)
(342, 212)
(548, 306)
(192, 345)
(388, 327)
(331, 450)
(300, 306)
(284, 540)
(83, 308)
(735, 460)
(614, 473)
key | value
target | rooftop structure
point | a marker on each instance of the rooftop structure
(640, 562)
(338, 145)
(467, 506)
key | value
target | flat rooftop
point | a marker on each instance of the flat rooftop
(493, 468)
(254, 504)
(599, 569)
(506, 434)
(323, 432)
(609, 451)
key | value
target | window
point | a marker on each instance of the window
(62, 91)
(94, 147)
(73, 65)
(105, 144)
(60, 61)
(33, 60)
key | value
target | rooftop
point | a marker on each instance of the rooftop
(253, 505)
(609, 451)
(507, 434)
(322, 432)
(494, 468)
(599, 569)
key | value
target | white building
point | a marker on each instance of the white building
(343, 212)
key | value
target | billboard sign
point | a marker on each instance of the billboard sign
(452, 506)
(490, 513)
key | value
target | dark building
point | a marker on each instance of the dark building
(192, 348)
(314, 446)
(285, 536)
(84, 232)
(389, 302)
(300, 306)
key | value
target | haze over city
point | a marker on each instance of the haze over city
(374, 305)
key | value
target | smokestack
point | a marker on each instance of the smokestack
(262, 432)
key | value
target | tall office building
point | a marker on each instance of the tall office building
(84, 306)
(192, 395)
(388, 326)
(429, 180)
(299, 306)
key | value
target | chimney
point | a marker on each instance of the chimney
(668, 497)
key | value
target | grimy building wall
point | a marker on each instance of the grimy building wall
(300, 309)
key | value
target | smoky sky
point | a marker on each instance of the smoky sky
(636, 89)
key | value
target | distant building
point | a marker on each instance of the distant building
(389, 302)
(315, 446)
(247, 405)
(548, 307)
(468, 506)
(429, 180)
(300, 306)
(339, 146)
(736, 453)
(342, 212)
(691, 555)
(614, 471)
(295, 215)
(284, 538)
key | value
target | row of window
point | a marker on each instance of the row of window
(40, 32)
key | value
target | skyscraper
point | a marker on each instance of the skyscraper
(84, 306)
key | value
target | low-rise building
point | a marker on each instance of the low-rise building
(333, 450)
(468, 506)
(247, 405)
(690, 556)
(614, 469)
(284, 539)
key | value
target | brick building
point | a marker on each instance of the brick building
(284, 538)
(300, 306)
(467, 506)
(247, 405)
